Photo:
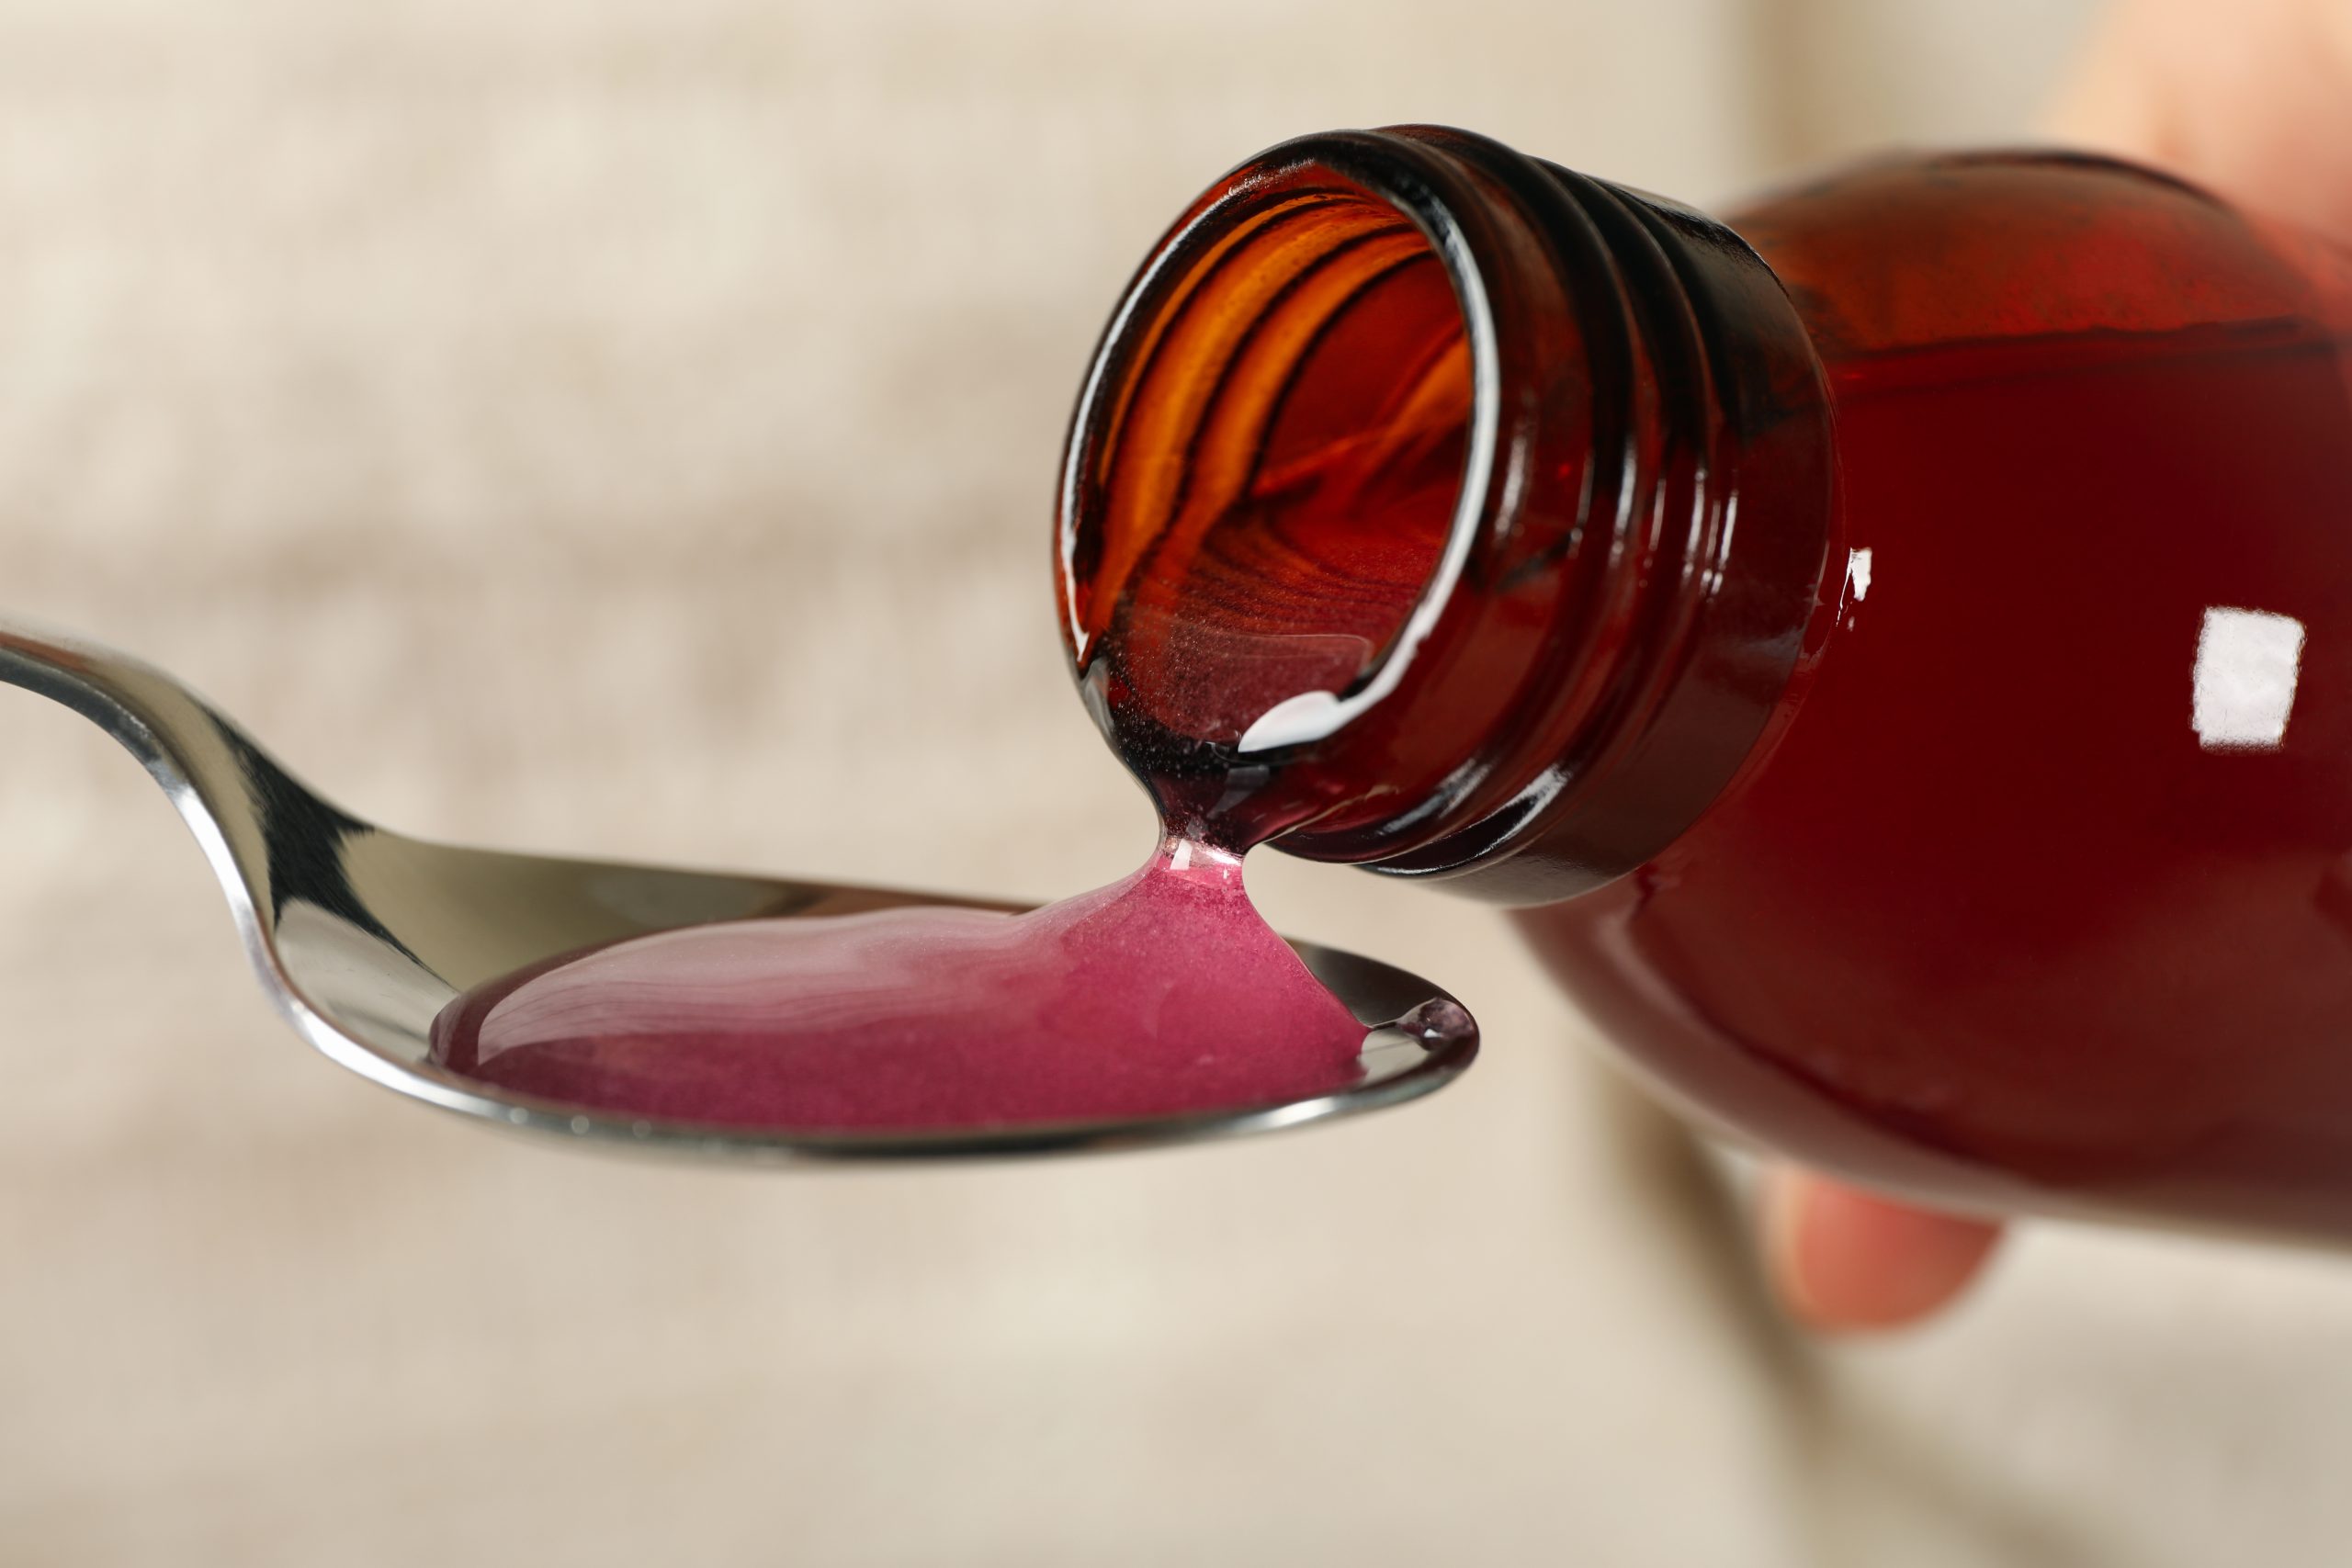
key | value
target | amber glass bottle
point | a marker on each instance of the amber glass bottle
(1897, 646)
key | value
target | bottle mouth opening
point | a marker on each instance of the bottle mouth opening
(1397, 516)
(1278, 460)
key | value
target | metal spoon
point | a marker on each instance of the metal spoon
(361, 936)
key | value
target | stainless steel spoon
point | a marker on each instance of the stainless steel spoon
(361, 936)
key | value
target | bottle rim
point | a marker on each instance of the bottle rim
(1596, 504)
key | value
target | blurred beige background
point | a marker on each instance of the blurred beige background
(629, 428)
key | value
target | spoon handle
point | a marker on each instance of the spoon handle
(224, 786)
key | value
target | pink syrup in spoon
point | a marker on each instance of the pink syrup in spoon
(1162, 993)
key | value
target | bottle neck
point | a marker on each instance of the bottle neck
(1436, 509)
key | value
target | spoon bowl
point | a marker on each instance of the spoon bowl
(362, 936)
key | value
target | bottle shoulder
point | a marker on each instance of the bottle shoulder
(1912, 252)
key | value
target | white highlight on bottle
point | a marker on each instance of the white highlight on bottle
(1857, 572)
(1310, 715)
(2243, 689)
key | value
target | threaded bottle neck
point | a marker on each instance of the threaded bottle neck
(1437, 509)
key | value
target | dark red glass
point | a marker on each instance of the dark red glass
(1898, 645)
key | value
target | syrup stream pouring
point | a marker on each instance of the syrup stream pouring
(362, 936)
